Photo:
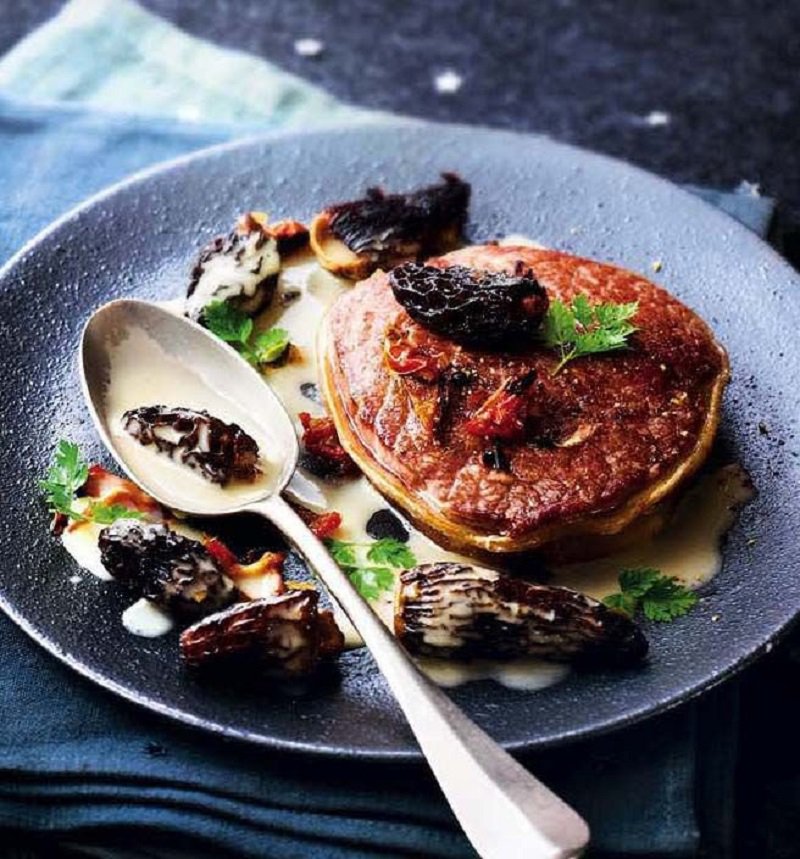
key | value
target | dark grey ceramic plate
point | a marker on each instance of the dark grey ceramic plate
(139, 239)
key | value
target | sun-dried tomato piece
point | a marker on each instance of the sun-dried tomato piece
(290, 235)
(504, 414)
(321, 441)
(407, 358)
(325, 524)
(322, 525)
(101, 485)
(221, 554)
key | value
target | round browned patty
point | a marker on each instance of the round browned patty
(608, 436)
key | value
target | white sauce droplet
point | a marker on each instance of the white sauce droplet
(524, 674)
(146, 619)
(80, 540)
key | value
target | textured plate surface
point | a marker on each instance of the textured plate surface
(140, 238)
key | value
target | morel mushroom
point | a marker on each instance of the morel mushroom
(462, 612)
(218, 450)
(478, 308)
(278, 635)
(240, 268)
(382, 230)
(173, 571)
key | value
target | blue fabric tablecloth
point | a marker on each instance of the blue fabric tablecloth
(79, 765)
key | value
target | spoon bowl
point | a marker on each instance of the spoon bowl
(135, 353)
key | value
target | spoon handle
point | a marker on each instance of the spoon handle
(504, 811)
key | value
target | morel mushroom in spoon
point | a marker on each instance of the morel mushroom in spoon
(219, 451)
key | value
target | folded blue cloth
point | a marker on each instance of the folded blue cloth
(79, 765)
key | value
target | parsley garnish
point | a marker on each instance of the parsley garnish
(369, 565)
(236, 328)
(660, 597)
(65, 477)
(106, 514)
(581, 328)
(271, 344)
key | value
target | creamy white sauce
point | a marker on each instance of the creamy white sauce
(80, 540)
(688, 548)
(225, 277)
(146, 619)
(517, 240)
(524, 674)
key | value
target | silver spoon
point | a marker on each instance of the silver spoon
(504, 811)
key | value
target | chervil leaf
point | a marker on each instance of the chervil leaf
(65, 477)
(661, 598)
(585, 329)
(622, 602)
(270, 345)
(371, 582)
(582, 311)
(667, 599)
(392, 552)
(558, 325)
(342, 552)
(106, 514)
(638, 581)
(228, 323)
(236, 328)
(368, 565)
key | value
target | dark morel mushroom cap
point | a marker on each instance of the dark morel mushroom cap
(240, 268)
(173, 571)
(218, 450)
(458, 611)
(285, 634)
(483, 309)
(381, 221)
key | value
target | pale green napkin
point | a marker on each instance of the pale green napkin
(114, 55)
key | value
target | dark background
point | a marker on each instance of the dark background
(587, 72)
(584, 71)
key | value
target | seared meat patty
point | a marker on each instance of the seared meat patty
(602, 441)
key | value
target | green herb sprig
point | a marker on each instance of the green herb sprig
(581, 328)
(659, 597)
(236, 328)
(370, 566)
(66, 475)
